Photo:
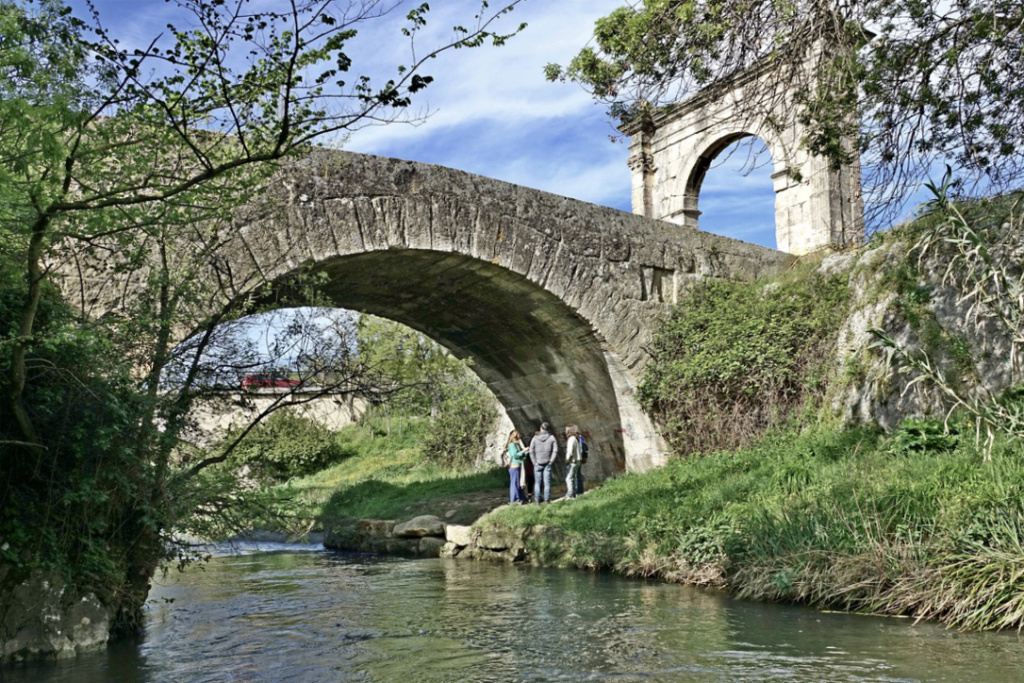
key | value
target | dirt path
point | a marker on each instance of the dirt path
(468, 507)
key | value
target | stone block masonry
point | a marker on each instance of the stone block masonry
(554, 300)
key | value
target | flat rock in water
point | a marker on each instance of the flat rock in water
(417, 527)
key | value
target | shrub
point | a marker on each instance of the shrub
(918, 435)
(460, 428)
(285, 446)
(736, 359)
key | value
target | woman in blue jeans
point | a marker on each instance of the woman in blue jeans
(516, 455)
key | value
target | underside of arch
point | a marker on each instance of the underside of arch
(540, 358)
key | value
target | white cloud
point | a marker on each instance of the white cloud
(493, 113)
(497, 94)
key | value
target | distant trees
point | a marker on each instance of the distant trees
(414, 375)
(919, 83)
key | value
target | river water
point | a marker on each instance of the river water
(305, 614)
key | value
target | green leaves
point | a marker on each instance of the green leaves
(975, 247)
(899, 85)
(737, 358)
(286, 445)
(137, 160)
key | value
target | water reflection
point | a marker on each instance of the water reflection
(310, 616)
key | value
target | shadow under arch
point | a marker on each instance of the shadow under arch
(538, 356)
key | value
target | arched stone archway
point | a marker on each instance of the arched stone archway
(670, 151)
(539, 356)
(555, 300)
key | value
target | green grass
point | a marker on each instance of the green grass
(837, 520)
(382, 476)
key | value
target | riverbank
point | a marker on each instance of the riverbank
(914, 524)
(380, 476)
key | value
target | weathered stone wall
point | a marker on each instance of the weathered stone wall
(220, 413)
(554, 300)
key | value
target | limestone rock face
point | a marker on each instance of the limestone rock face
(381, 528)
(39, 619)
(492, 538)
(878, 396)
(418, 527)
(450, 549)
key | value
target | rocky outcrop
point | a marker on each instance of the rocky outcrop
(418, 527)
(40, 618)
(458, 535)
(428, 536)
(934, 318)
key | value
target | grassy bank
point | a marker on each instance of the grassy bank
(905, 524)
(384, 476)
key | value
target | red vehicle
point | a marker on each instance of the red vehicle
(265, 380)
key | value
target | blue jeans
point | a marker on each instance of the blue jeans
(542, 473)
(515, 492)
(571, 480)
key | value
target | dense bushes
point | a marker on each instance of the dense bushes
(425, 379)
(82, 502)
(460, 427)
(736, 358)
(285, 445)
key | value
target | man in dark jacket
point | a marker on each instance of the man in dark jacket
(543, 451)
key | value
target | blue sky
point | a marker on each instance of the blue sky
(491, 112)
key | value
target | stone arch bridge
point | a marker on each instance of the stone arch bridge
(553, 299)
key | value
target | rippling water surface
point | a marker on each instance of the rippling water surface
(312, 615)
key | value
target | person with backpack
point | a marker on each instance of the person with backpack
(574, 459)
(515, 454)
(543, 451)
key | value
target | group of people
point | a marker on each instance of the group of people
(539, 458)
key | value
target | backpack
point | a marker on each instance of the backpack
(584, 450)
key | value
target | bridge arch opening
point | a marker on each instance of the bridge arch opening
(331, 366)
(729, 191)
(540, 359)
